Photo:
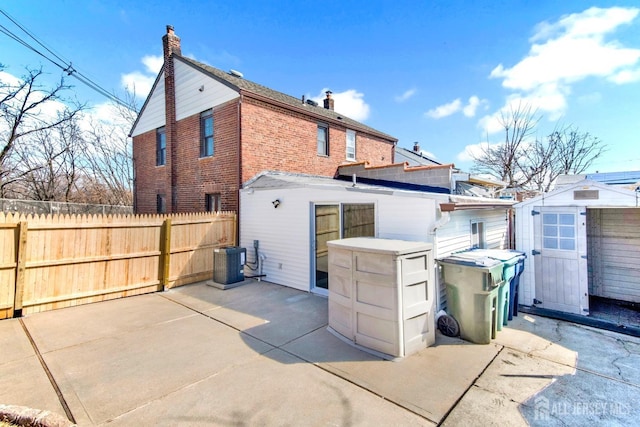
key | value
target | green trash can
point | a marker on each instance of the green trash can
(472, 284)
(509, 259)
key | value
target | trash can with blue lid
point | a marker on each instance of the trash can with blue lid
(472, 284)
(515, 287)
(511, 261)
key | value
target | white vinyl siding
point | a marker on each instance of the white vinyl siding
(351, 144)
(286, 242)
(153, 115)
(190, 99)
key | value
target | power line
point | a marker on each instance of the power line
(66, 66)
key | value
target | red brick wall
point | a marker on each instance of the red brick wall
(195, 176)
(274, 138)
(150, 179)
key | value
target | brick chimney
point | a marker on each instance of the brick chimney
(171, 45)
(416, 147)
(328, 102)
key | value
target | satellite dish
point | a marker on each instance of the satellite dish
(236, 73)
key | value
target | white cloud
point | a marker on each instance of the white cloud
(445, 109)
(471, 151)
(350, 103)
(406, 95)
(469, 110)
(153, 63)
(142, 81)
(570, 50)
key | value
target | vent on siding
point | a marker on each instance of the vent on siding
(586, 195)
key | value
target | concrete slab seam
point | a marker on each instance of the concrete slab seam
(473, 383)
(360, 386)
(52, 380)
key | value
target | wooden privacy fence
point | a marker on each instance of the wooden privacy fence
(49, 262)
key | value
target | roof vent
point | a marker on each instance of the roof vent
(236, 73)
(312, 102)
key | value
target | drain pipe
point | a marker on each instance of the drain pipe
(444, 220)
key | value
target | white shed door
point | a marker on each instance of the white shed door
(561, 259)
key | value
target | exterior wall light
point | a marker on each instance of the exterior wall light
(276, 203)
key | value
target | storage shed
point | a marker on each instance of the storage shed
(290, 218)
(581, 240)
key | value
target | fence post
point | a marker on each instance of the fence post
(235, 229)
(21, 249)
(165, 254)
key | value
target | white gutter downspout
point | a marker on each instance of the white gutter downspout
(444, 220)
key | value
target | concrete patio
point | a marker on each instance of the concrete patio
(260, 354)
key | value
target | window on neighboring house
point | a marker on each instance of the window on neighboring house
(323, 140)
(206, 133)
(161, 147)
(351, 144)
(161, 203)
(212, 202)
(477, 235)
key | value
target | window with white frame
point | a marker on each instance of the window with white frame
(351, 145)
(559, 231)
(212, 202)
(477, 235)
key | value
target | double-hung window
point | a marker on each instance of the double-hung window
(351, 145)
(161, 147)
(212, 202)
(323, 140)
(477, 235)
(206, 133)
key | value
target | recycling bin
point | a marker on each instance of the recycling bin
(515, 287)
(472, 284)
(510, 260)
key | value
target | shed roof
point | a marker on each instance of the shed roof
(566, 196)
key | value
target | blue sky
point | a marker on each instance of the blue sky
(436, 72)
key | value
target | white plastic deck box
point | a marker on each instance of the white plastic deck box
(382, 294)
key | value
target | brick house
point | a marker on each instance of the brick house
(203, 132)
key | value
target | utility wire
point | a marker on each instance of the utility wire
(66, 66)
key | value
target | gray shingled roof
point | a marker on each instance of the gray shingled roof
(242, 84)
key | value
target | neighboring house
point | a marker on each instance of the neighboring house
(581, 240)
(440, 178)
(292, 216)
(203, 132)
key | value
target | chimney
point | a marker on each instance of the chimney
(170, 43)
(328, 102)
(416, 147)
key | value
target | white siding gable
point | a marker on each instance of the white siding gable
(190, 99)
(153, 115)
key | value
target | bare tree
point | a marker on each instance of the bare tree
(21, 111)
(523, 161)
(51, 163)
(110, 162)
(502, 160)
(576, 150)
